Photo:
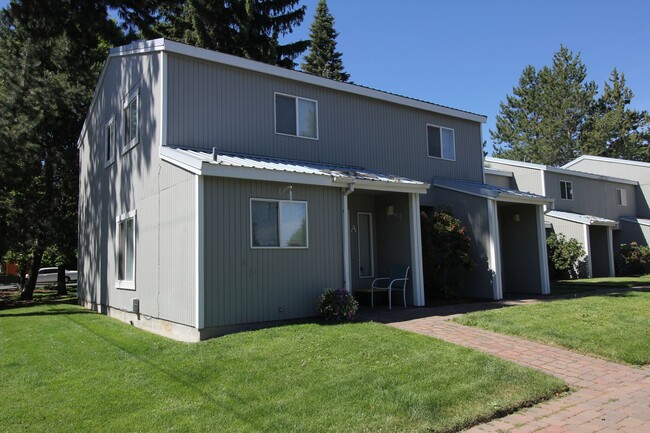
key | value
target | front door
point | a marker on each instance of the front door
(365, 245)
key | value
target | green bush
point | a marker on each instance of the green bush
(337, 305)
(564, 256)
(445, 253)
(633, 259)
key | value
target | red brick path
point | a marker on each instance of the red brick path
(609, 397)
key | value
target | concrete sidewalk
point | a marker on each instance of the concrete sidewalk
(609, 397)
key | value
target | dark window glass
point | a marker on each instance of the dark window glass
(285, 114)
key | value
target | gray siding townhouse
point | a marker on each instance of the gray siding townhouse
(218, 193)
(587, 207)
(633, 228)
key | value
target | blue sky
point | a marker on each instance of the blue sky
(469, 54)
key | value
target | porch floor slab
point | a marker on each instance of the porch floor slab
(608, 396)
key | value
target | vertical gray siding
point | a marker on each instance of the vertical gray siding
(212, 105)
(525, 179)
(571, 230)
(496, 180)
(591, 196)
(139, 181)
(519, 249)
(472, 211)
(633, 232)
(624, 171)
(245, 285)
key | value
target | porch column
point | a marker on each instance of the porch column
(347, 279)
(610, 251)
(495, 250)
(543, 257)
(588, 250)
(417, 275)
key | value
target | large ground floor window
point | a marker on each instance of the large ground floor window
(278, 224)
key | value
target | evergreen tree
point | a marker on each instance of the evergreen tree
(245, 28)
(613, 129)
(323, 59)
(544, 118)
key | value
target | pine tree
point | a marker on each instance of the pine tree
(544, 118)
(323, 59)
(614, 130)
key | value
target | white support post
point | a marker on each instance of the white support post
(495, 250)
(588, 250)
(417, 273)
(610, 251)
(543, 258)
(347, 278)
(199, 260)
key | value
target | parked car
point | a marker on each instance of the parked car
(49, 276)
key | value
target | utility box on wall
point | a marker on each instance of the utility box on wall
(136, 305)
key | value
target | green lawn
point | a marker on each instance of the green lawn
(589, 284)
(63, 368)
(613, 325)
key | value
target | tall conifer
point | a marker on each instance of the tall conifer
(323, 59)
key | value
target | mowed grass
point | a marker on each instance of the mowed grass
(63, 368)
(589, 284)
(615, 325)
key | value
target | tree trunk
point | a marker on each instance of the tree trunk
(28, 291)
(61, 289)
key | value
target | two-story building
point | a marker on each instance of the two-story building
(219, 193)
(588, 207)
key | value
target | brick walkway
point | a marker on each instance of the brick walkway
(609, 396)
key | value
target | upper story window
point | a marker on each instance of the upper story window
(296, 116)
(278, 224)
(441, 142)
(126, 250)
(621, 197)
(566, 190)
(109, 142)
(131, 120)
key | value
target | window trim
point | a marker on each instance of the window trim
(125, 284)
(297, 98)
(130, 97)
(453, 132)
(110, 123)
(622, 196)
(279, 247)
(564, 190)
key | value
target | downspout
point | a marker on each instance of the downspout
(347, 283)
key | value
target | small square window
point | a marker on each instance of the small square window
(131, 121)
(621, 197)
(278, 224)
(109, 142)
(566, 190)
(441, 142)
(296, 116)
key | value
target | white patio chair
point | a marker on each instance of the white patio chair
(395, 282)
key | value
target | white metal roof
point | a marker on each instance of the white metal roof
(498, 172)
(605, 159)
(491, 192)
(226, 164)
(589, 220)
(640, 221)
(566, 171)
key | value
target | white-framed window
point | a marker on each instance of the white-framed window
(109, 142)
(278, 223)
(621, 197)
(131, 120)
(566, 190)
(441, 142)
(296, 116)
(125, 251)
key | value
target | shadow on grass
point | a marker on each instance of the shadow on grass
(59, 312)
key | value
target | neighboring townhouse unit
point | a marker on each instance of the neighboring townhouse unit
(587, 207)
(219, 193)
(634, 228)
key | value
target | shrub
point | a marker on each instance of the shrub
(564, 256)
(337, 305)
(445, 253)
(633, 259)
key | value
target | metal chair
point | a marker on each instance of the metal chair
(395, 282)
